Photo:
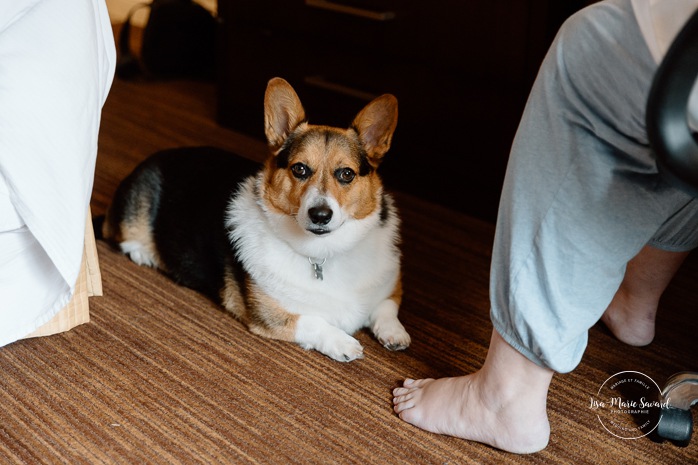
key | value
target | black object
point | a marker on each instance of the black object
(669, 133)
(676, 425)
(178, 41)
(678, 396)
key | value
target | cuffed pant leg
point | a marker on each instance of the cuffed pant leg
(582, 194)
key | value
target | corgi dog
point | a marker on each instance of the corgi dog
(303, 248)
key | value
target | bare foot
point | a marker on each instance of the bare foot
(502, 405)
(630, 321)
(632, 312)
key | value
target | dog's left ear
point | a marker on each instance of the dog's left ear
(375, 125)
(283, 112)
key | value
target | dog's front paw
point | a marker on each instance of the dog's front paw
(343, 349)
(388, 329)
(313, 332)
(395, 338)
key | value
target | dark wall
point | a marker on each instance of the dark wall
(461, 71)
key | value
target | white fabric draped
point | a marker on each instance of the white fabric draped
(57, 61)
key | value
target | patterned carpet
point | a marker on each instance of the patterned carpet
(163, 376)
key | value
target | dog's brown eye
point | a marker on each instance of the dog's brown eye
(300, 171)
(345, 175)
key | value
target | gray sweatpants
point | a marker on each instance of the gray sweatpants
(582, 194)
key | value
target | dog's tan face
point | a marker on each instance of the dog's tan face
(320, 175)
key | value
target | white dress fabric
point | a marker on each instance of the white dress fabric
(57, 61)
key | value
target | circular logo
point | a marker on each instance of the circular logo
(628, 405)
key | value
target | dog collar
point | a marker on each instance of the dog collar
(317, 267)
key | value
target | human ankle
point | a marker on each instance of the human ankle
(507, 374)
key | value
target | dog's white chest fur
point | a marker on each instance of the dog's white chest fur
(361, 261)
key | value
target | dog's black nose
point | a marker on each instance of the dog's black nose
(320, 215)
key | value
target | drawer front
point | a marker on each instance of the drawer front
(482, 37)
(353, 23)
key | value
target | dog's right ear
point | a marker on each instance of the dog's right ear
(283, 112)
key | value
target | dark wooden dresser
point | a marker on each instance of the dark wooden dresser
(461, 70)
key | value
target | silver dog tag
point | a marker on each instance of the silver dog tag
(317, 268)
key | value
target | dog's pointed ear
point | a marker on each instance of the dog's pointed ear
(283, 112)
(375, 125)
